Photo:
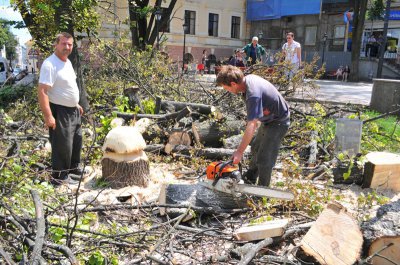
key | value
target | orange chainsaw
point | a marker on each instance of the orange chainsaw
(227, 177)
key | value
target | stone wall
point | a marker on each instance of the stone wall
(385, 95)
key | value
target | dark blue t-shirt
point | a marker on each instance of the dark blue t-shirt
(264, 102)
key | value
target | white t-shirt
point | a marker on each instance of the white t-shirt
(290, 50)
(61, 77)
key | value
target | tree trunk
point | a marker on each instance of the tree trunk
(120, 174)
(360, 9)
(60, 16)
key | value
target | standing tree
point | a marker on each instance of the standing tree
(46, 18)
(7, 39)
(360, 9)
(143, 30)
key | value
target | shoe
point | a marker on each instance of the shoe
(79, 173)
(66, 181)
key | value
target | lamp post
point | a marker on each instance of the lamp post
(158, 14)
(185, 28)
(324, 38)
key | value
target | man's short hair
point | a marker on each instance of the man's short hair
(228, 74)
(60, 35)
(254, 38)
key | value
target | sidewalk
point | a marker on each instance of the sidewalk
(329, 90)
(344, 92)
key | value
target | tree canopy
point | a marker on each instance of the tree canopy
(8, 39)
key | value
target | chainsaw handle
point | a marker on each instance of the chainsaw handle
(239, 164)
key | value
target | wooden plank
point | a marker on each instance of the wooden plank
(382, 171)
(390, 254)
(261, 231)
(335, 238)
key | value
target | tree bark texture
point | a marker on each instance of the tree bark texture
(126, 173)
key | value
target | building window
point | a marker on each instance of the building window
(190, 21)
(311, 35)
(235, 32)
(338, 35)
(166, 26)
(213, 25)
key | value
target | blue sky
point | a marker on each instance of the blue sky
(7, 12)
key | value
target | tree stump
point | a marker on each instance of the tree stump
(124, 162)
(382, 234)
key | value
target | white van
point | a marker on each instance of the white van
(4, 70)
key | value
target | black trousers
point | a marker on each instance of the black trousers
(264, 150)
(65, 140)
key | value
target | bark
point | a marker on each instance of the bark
(360, 9)
(212, 133)
(200, 108)
(127, 173)
(41, 226)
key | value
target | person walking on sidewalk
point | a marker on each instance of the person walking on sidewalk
(58, 96)
(292, 53)
(265, 105)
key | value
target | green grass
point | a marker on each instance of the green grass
(382, 134)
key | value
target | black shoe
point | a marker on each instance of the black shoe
(66, 181)
(79, 171)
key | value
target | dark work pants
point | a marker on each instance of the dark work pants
(65, 140)
(264, 150)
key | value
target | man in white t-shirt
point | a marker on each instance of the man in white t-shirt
(292, 52)
(58, 96)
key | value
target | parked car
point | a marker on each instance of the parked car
(4, 70)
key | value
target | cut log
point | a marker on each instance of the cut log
(169, 116)
(209, 153)
(200, 108)
(335, 238)
(261, 231)
(177, 138)
(385, 250)
(212, 133)
(382, 230)
(199, 196)
(382, 171)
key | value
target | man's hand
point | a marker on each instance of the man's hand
(237, 157)
(80, 109)
(50, 122)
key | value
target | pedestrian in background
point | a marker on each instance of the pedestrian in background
(58, 96)
(292, 53)
(346, 72)
(236, 59)
(254, 52)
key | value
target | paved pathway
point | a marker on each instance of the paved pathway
(329, 90)
(345, 92)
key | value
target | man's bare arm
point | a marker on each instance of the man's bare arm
(45, 106)
(248, 135)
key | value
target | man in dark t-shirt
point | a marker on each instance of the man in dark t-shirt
(265, 105)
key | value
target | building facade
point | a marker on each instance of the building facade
(213, 26)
